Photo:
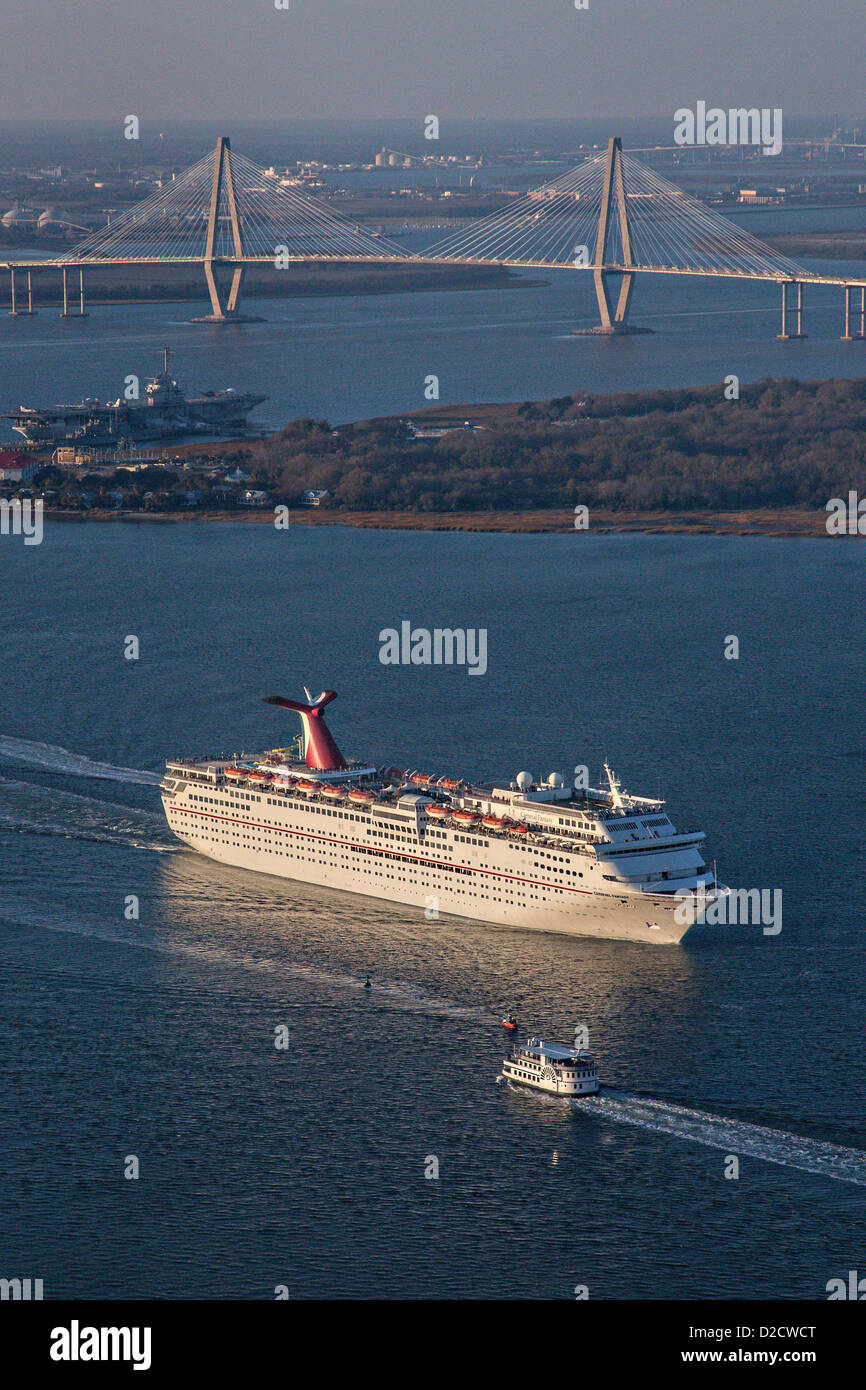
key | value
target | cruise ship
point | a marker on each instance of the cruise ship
(164, 412)
(530, 853)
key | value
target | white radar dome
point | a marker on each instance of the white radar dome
(555, 779)
(524, 781)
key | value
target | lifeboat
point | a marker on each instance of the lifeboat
(421, 779)
(518, 829)
(234, 774)
(509, 1023)
(308, 787)
(437, 811)
(448, 784)
(334, 793)
(361, 798)
(258, 777)
(494, 822)
(465, 817)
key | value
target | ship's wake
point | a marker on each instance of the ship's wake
(51, 758)
(26, 809)
(734, 1136)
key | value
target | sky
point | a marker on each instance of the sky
(174, 60)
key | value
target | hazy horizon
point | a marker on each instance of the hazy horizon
(396, 60)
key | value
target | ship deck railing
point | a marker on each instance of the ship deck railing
(533, 838)
(501, 832)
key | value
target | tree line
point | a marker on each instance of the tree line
(782, 443)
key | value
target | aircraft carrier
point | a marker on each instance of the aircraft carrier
(164, 412)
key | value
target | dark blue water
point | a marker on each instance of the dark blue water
(351, 357)
(306, 1168)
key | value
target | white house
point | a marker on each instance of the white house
(17, 468)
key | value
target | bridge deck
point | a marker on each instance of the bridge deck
(779, 278)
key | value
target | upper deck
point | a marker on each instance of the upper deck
(548, 816)
(540, 1051)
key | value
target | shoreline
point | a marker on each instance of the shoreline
(790, 523)
(315, 282)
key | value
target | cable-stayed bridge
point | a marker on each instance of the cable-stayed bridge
(611, 216)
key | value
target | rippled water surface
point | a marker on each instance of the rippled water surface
(154, 1036)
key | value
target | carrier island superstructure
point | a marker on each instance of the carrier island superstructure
(524, 852)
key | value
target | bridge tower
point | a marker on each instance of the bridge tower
(614, 202)
(223, 181)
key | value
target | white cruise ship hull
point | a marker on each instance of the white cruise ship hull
(499, 882)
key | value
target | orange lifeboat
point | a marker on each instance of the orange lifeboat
(448, 784)
(494, 822)
(308, 787)
(361, 798)
(438, 811)
(258, 777)
(334, 793)
(518, 829)
(234, 774)
(465, 817)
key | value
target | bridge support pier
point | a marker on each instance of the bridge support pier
(81, 311)
(613, 320)
(234, 298)
(848, 336)
(797, 311)
(14, 311)
(218, 315)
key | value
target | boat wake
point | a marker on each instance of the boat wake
(734, 1136)
(51, 758)
(30, 810)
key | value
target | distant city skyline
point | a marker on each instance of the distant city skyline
(405, 59)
